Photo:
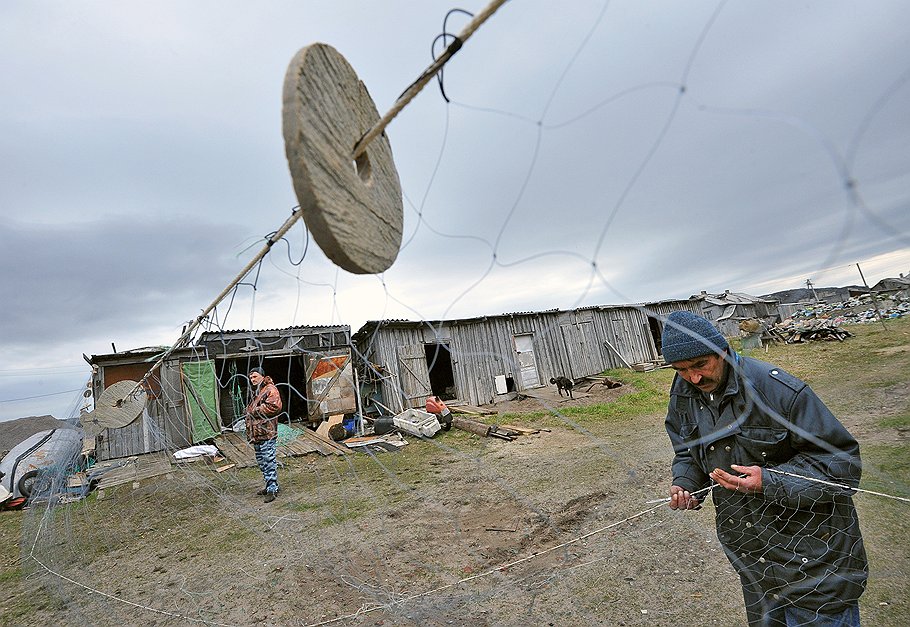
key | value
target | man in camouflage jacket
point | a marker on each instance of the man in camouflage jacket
(261, 422)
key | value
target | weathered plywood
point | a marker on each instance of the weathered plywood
(240, 452)
(332, 383)
(414, 374)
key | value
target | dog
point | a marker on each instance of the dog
(563, 383)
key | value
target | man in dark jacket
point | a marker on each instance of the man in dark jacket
(261, 422)
(756, 437)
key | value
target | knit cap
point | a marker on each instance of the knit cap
(687, 336)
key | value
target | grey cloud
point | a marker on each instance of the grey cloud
(82, 279)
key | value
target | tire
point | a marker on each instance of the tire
(26, 483)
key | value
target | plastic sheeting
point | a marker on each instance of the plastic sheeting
(200, 388)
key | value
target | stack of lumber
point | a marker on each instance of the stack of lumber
(821, 329)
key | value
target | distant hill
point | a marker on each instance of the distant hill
(805, 295)
(12, 432)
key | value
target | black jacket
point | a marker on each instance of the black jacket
(798, 542)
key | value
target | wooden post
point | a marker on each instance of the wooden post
(874, 299)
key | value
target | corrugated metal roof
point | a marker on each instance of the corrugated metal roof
(136, 352)
(340, 327)
(738, 298)
(372, 324)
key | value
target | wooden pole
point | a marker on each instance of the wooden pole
(188, 333)
(471, 426)
(618, 354)
(874, 299)
(425, 78)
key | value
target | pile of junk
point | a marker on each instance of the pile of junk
(438, 417)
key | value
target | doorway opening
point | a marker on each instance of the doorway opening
(287, 371)
(442, 375)
(654, 327)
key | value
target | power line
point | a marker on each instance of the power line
(28, 398)
(39, 370)
(42, 374)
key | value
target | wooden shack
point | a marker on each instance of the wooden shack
(199, 391)
(728, 309)
(166, 422)
(893, 287)
(484, 359)
(311, 365)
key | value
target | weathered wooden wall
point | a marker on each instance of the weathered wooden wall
(565, 343)
(163, 424)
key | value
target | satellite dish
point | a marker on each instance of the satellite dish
(353, 207)
(114, 409)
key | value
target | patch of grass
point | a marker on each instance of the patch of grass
(304, 507)
(901, 421)
(336, 510)
(343, 510)
(529, 419)
(849, 360)
(21, 601)
(20, 607)
(638, 403)
(846, 374)
(650, 395)
(886, 468)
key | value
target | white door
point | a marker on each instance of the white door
(524, 347)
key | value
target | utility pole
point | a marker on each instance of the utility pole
(874, 299)
(812, 287)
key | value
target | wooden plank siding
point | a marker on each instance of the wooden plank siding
(166, 423)
(566, 343)
(163, 424)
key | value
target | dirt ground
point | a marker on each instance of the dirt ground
(553, 528)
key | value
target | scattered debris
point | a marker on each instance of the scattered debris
(437, 407)
(193, 453)
(472, 410)
(605, 381)
(417, 422)
(376, 443)
(826, 329)
(485, 430)
(238, 451)
(856, 310)
(524, 430)
(134, 469)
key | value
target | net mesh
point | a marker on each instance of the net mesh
(566, 524)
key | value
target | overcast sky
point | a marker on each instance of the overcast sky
(592, 153)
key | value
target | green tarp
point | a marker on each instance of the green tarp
(199, 388)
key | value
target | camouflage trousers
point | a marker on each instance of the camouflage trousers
(267, 458)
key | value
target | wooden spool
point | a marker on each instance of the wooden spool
(353, 208)
(119, 405)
